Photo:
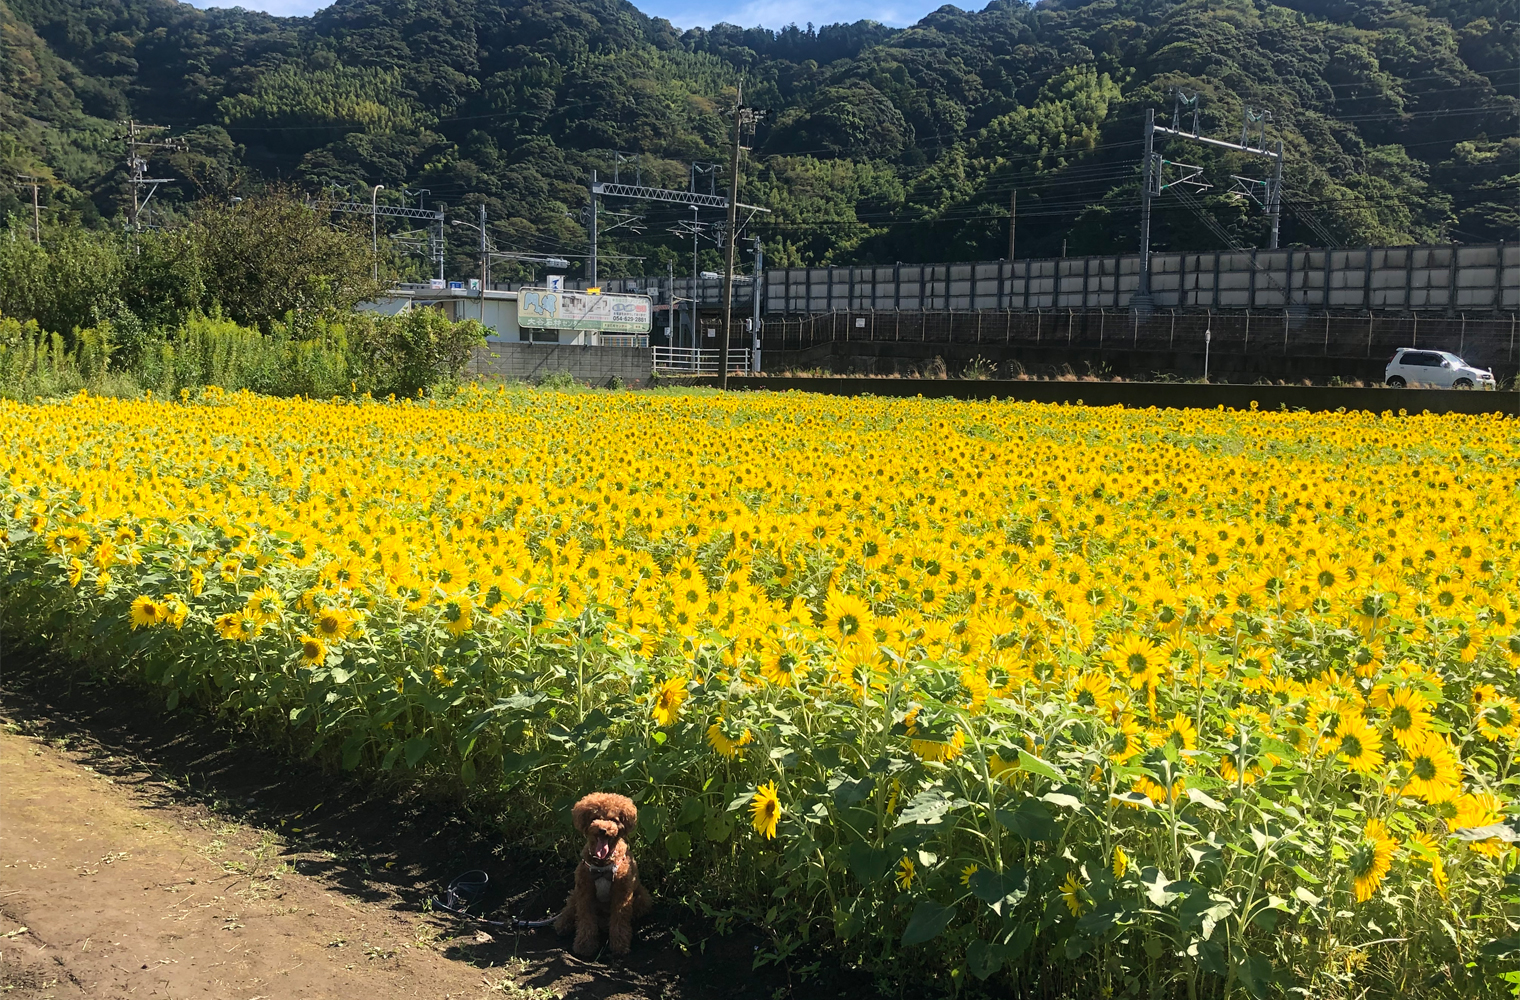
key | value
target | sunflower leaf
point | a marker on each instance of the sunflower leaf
(928, 922)
(1029, 762)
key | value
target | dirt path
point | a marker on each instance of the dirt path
(145, 854)
(104, 894)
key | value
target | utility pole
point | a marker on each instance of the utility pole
(1274, 197)
(759, 273)
(1013, 220)
(34, 182)
(137, 166)
(1142, 297)
(591, 211)
(485, 262)
(672, 323)
(695, 231)
(731, 234)
(374, 228)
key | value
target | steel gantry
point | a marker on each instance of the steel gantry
(1155, 182)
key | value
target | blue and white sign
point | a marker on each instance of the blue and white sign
(548, 309)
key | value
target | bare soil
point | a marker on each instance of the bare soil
(145, 854)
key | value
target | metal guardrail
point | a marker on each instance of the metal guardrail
(623, 339)
(698, 360)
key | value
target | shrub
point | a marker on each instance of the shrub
(408, 352)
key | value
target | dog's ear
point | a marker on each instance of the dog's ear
(625, 813)
(583, 813)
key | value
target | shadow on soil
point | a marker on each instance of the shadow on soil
(394, 848)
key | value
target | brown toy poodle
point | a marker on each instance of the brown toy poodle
(607, 893)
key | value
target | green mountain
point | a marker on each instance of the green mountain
(1399, 118)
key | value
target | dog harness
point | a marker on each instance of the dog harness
(603, 874)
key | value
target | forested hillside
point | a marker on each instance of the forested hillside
(1399, 117)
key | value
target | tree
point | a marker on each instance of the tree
(264, 258)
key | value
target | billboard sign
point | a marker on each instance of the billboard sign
(547, 309)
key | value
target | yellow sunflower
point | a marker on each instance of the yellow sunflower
(1093, 690)
(724, 742)
(1498, 717)
(1371, 858)
(264, 605)
(334, 624)
(667, 700)
(1426, 848)
(1435, 771)
(1475, 809)
(1181, 733)
(1138, 661)
(847, 619)
(782, 663)
(1357, 744)
(147, 612)
(1408, 716)
(766, 809)
(1071, 894)
(313, 651)
(1127, 741)
(458, 615)
(906, 872)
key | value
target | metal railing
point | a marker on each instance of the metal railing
(623, 339)
(698, 360)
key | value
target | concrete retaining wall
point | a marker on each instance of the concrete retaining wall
(598, 366)
(1175, 395)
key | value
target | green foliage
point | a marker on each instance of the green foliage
(409, 352)
(268, 257)
(383, 355)
(35, 363)
(261, 262)
(73, 280)
(1394, 116)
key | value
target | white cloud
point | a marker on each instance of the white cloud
(779, 13)
(688, 13)
(280, 8)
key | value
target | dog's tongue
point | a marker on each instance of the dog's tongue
(602, 850)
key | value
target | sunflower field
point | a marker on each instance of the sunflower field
(998, 697)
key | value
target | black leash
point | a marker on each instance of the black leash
(464, 891)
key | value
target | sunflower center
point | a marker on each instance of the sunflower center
(848, 625)
(1424, 768)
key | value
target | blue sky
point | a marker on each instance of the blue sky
(688, 13)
